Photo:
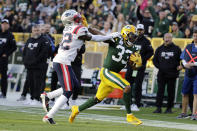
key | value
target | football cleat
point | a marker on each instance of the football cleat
(74, 113)
(45, 102)
(194, 117)
(134, 107)
(182, 116)
(133, 120)
(46, 119)
(22, 98)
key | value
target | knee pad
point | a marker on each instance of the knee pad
(96, 100)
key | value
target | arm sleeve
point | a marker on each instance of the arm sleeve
(153, 13)
(182, 55)
(139, 16)
(155, 59)
(84, 34)
(82, 50)
(148, 52)
(56, 49)
(100, 38)
(44, 50)
(12, 45)
(24, 51)
(184, 62)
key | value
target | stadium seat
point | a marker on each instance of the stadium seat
(187, 41)
(179, 42)
(21, 37)
(156, 42)
(58, 38)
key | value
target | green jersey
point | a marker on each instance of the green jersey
(118, 55)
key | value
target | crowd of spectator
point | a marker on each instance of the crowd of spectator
(158, 16)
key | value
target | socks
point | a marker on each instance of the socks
(89, 103)
(127, 101)
(58, 104)
(55, 93)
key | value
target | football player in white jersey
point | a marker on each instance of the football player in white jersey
(74, 36)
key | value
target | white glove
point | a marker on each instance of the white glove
(115, 34)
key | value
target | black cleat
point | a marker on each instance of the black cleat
(2, 96)
(168, 111)
(158, 110)
(46, 119)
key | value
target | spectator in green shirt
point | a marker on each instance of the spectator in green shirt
(161, 25)
(126, 5)
(176, 33)
(191, 8)
(181, 18)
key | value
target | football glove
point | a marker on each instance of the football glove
(136, 58)
(84, 21)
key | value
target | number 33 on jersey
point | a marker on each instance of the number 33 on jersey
(118, 55)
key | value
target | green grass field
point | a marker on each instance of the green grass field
(30, 119)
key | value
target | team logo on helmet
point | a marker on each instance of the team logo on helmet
(70, 17)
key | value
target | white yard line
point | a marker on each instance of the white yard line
(146, 122)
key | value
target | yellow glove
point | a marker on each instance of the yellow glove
(84, 21)
(136, 58)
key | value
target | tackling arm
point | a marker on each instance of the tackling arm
(97, 38)
(83, 34)
(94, 31)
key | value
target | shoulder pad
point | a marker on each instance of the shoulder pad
(82, 31)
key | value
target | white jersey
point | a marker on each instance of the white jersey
(70, 44)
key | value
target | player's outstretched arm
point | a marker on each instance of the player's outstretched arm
(99, 38)
(95, 31)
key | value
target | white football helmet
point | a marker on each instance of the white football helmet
(70, 17)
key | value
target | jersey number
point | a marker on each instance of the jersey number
(120, 54)
(67, 39)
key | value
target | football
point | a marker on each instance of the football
(133, 65)
(135, 61)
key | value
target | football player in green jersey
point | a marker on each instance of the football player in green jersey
(119, 52)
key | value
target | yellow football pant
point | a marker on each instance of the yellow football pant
(109, 81)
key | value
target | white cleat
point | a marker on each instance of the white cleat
(134, 107)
